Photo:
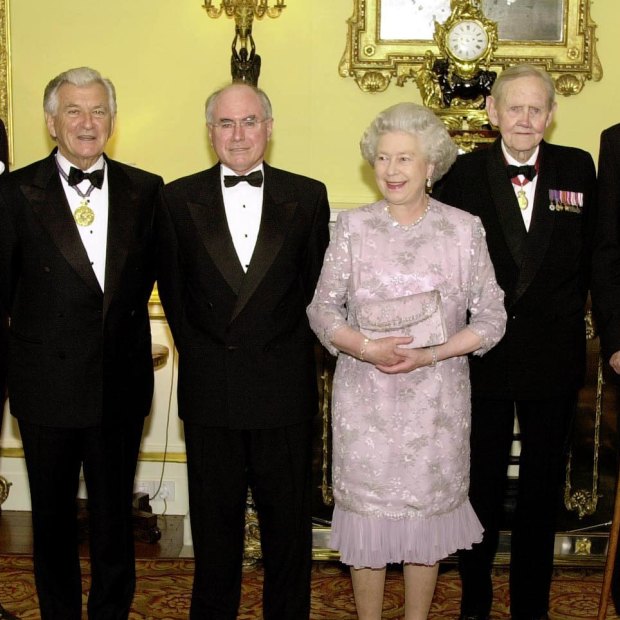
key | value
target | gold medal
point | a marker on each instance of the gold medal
(84, 215)
(522, 199)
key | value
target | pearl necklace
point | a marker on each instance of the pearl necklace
(407, 226)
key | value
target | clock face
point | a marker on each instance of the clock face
(467, 40)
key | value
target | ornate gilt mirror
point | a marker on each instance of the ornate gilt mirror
(387, 39)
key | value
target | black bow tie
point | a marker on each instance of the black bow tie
(254, 178)
(529, 172)
(76, 176)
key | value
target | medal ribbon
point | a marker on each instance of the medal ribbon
(83, 215)
(521, 196)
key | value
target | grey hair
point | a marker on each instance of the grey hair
(81, 76)
(523, 70)
(213, 97)
(417, 120)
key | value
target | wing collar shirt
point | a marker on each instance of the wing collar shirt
(529, 187)
(243, 204)
(94, 237)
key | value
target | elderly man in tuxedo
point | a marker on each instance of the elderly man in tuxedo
(606, 267)
(4, 330)
(606, 253)
(4, 614)
(242, 247)
(534, 200)
(4, 317)
(77, 266)
(4, 325)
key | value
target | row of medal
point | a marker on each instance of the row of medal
(564, 200)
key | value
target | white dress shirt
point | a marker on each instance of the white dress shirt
(529, 187)
(243, 204)
(95, 236)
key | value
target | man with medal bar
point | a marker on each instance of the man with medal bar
(77, 266)
(541, 259)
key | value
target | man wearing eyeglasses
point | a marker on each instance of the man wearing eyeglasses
(242, 246)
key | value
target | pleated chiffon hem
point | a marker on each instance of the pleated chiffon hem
(365, 541)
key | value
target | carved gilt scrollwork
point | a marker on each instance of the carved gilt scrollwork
(5, 485)
(585, 501)
(375, 61)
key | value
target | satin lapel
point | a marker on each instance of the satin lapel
(275, 220)
(122, 215)
(506, 205)
(541, 226)
(49, 204)
(209, 218)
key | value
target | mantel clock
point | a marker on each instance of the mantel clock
(467, 38)
(455, 84)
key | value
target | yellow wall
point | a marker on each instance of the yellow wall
(165, 56)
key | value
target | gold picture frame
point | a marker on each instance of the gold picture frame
(5, 73)
(387, 40)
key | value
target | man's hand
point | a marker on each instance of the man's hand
(614, 362)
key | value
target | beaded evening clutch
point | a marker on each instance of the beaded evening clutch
(419, 315)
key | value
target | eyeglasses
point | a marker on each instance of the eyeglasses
(247, 124)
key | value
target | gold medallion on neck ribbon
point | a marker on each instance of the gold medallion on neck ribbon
(84, 215)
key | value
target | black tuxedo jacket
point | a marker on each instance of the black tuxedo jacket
(544, 272)
(606, 256)
(4, 319)
(78, 357)
(246, 352)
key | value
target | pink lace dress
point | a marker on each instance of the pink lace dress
(401, 442)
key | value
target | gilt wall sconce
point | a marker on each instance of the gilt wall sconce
(244, 62)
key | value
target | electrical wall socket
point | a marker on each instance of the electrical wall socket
(150, 487)
(167, 491)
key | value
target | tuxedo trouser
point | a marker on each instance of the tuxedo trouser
(4, 359)
(544, 426)
(276, 465)
(108, 456)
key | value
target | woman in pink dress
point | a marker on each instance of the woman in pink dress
(401, 415)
